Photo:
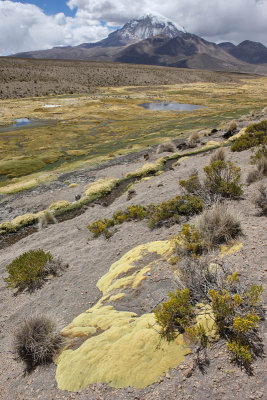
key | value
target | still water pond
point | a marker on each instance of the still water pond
(21, 123)
(170, 106)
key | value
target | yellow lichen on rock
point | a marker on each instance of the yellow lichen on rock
(125, 352)
(112, 281)
(124, 355)
(228, 250)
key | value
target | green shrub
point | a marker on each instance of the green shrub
(164, 213)
(37, 341)
(237, 318)
(255, 135)
(189, 241)
(223, 178)
(174, 315)
(27, 269)
(170, 210)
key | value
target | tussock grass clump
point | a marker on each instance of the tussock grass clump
(232, 126)
(260, 172)
(260, 200)
(166, 147)
(219, 155)
(214, 226)
(29, 270)
(255, 135)
(193, 140)
(217, 225)
(37, 341)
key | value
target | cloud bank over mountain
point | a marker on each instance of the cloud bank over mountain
(26, 27)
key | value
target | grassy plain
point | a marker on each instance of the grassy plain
(87, 129)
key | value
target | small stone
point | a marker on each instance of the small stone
(168, 376)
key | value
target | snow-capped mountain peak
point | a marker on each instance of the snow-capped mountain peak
(148, 26)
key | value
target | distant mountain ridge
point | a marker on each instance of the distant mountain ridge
(153, 39)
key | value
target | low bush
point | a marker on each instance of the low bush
(37, 341)
(255, 135)
(236, 308)
(188, 241)
(232, 126)
(29, 270)
(175, 314)
(223, 178)
(260, 200)
(166, 213)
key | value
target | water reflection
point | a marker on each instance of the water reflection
(170, 106)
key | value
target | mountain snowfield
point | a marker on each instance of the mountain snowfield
(150, 25)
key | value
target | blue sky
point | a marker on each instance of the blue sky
(51, 7)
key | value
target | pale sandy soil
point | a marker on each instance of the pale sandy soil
(75, 291)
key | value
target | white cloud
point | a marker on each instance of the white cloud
(217, 20)
(26, 27)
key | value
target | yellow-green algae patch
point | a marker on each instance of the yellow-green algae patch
(126, 352)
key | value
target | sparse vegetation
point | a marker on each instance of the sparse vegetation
(166, 213)
(166, 147)
(37, 341)
(232, 126)
(29, 270)
(259, 172)
(255, 135)
(260, 199)
(236, 309)
(219, 155)
(213, 227)
(193, 140)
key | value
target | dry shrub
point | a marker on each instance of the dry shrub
(168, 147)
(193, 139)
(260, 172)
(261, 166)
(37, 341)
(217, 225)
(253, 176)
(219, 155)
(260, 199)
(232, 126)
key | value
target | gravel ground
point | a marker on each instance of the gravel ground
(75, 291)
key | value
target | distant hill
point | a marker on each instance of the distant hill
(250, 52)
(155, 40)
